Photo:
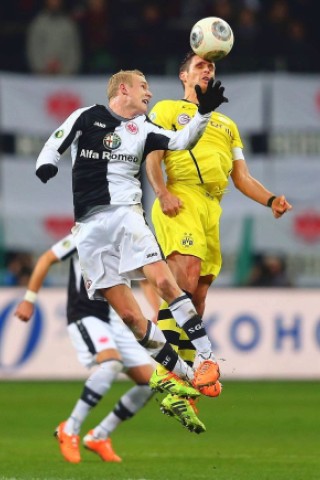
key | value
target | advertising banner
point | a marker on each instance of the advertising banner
(255, 333)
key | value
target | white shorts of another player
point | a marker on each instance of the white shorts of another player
(92, 336)
(113, 245)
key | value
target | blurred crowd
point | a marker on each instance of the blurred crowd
(100, 36)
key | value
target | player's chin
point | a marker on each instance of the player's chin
(204, 85)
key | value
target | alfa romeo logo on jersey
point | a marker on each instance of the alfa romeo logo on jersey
(187, 240)
(183, 119)
(132, 128)
(112, 141)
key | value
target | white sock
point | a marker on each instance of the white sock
(129, 404)
(95, 387)
(185, 314)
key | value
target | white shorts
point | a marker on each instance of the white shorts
(113, 245)
(90, 336)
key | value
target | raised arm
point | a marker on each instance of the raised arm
(187, 138)
(25, 308)
(253, 189)
(59, 141)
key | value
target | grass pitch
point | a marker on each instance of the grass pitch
(255, 431)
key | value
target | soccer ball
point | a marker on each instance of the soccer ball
(211, 38)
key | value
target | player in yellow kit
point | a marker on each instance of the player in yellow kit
(187, 209)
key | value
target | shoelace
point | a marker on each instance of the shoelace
(204, 366)
(74, 441)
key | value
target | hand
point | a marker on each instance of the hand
(280, 206)
(170, 204)
(211, 98)
(24, 310)
(47, 171)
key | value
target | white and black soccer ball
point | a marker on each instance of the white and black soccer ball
(211, 38)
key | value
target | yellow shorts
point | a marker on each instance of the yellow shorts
(195, 230)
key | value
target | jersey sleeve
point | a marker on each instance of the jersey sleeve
(236, 140)
(184, 139)
(61, 139)
(64, 248)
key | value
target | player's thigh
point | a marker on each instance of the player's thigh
(183, 233)
(212, 261)
(93, 340)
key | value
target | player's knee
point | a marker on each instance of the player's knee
(107, 355)
(128, 317)
(133, 321)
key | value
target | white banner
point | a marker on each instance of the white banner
(295, 102)
(256, 334)
(37, 105)
(36, 215)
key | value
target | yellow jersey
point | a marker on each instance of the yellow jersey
(209, 163)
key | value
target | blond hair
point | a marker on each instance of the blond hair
(124, 76)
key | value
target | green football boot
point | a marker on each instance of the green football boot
(184, 411)
(171, 383)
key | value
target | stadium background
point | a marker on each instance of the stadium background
(272, 78)
(266, 423)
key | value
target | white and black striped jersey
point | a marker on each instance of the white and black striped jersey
(107, 152)
(78, 303)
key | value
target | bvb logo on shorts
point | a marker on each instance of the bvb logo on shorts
(187, 240)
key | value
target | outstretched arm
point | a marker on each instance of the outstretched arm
(253, 189)
(25, 308)
(170, 204)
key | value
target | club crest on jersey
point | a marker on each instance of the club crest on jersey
(59, 133)
(112, 141)
(132, 128)
(187, 240)
(183, 119)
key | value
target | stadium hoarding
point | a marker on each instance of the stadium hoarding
(256, 334)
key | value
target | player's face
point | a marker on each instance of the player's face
(139, 95)
(199, 73)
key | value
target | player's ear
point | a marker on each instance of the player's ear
(182, 76)
(123, 89)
